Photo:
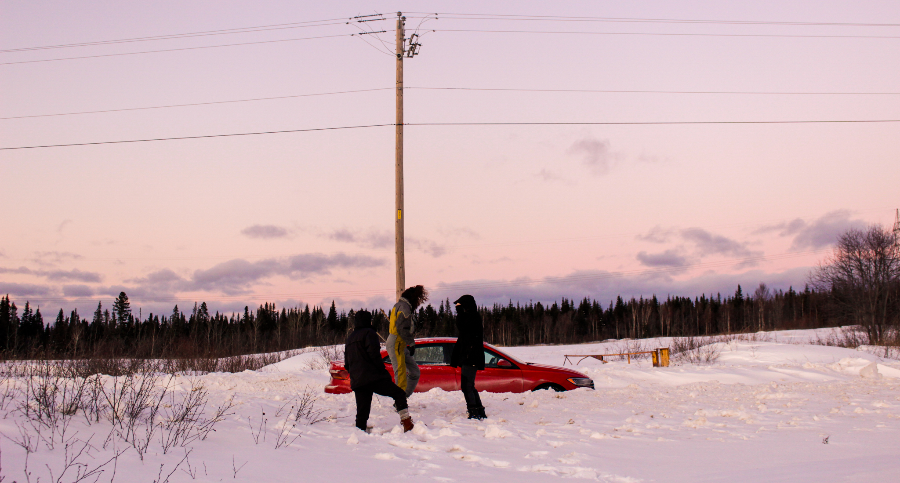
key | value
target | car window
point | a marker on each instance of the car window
(491, 358)
(430, 354)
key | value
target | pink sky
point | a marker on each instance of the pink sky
(501, 212)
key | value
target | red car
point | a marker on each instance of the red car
(501, 373)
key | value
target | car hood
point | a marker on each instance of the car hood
(573, 372)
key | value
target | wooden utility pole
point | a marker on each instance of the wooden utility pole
(405, 48)
(398, 167)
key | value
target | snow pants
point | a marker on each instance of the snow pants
(467, 384)
(406, 371)
(383, 387)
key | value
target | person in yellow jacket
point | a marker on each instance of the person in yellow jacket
(401, 343)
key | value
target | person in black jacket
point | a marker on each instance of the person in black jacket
(468, 352)
(362, 358)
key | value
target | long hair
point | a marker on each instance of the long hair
(415, 295)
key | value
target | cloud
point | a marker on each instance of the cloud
(77, 291)
(711, 244)
(236, 276)
(668, 258)
(25, 289)
(379, 240)
(57, 275)
(595, 154)
(265, 231)
(605, 286)
(820, 233)
(71, 275)
(163, 276)
(429, 247)
(53, 257)
(548, 176)
(656, 235)
(374, 239)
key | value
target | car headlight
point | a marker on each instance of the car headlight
(582, 382)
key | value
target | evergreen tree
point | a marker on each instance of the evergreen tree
(4, 322)
(122, 308)
(332, 319)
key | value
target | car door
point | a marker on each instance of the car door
(498, 377)
(433, 361)
(434, 368)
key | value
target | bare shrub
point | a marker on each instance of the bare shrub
(184, 421)
(696, 350)
(77, 469)
(847, 337)
(326, 355)
(306, 407)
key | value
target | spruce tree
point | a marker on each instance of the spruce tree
(122, 308)
(4, 321)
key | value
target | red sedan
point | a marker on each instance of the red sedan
(502, 373)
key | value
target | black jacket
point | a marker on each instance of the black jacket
(469, 348)
(362, 358)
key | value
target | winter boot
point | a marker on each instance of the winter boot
(406, 420)
(476, 413)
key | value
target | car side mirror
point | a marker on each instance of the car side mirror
(504, 363)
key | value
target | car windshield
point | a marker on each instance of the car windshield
(502, 354)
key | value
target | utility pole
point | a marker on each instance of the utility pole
(897, 224)
(404, 49)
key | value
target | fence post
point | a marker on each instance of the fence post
(655, 356)
(664, 357)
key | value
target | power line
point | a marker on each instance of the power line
(177, 49)
(649, 123)
(665, 34)
(125, 109)
(649, 91)
(199, 137)
(264, 28)
(599, 91)
(453, 16)
(557, 18)
(627, 123)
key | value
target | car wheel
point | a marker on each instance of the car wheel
(550, 385)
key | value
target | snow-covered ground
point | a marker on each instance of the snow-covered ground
(769, 408)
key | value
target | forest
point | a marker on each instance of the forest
(116, 331)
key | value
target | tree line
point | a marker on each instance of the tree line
(858, 285)
(118, 332)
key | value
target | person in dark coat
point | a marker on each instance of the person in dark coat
(468, 352)
(362, 358)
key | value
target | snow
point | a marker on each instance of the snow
(770, 407)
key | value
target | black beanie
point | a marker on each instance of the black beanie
(362, 319)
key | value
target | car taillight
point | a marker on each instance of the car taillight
(339, 374)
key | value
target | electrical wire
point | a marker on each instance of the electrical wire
(125, 109)
(635, 123)
(511, 89)
(649, 123)
(649, 91)
(668, 34)
(314, 23)
(559, 18)
(206, 136)
(177, 49)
